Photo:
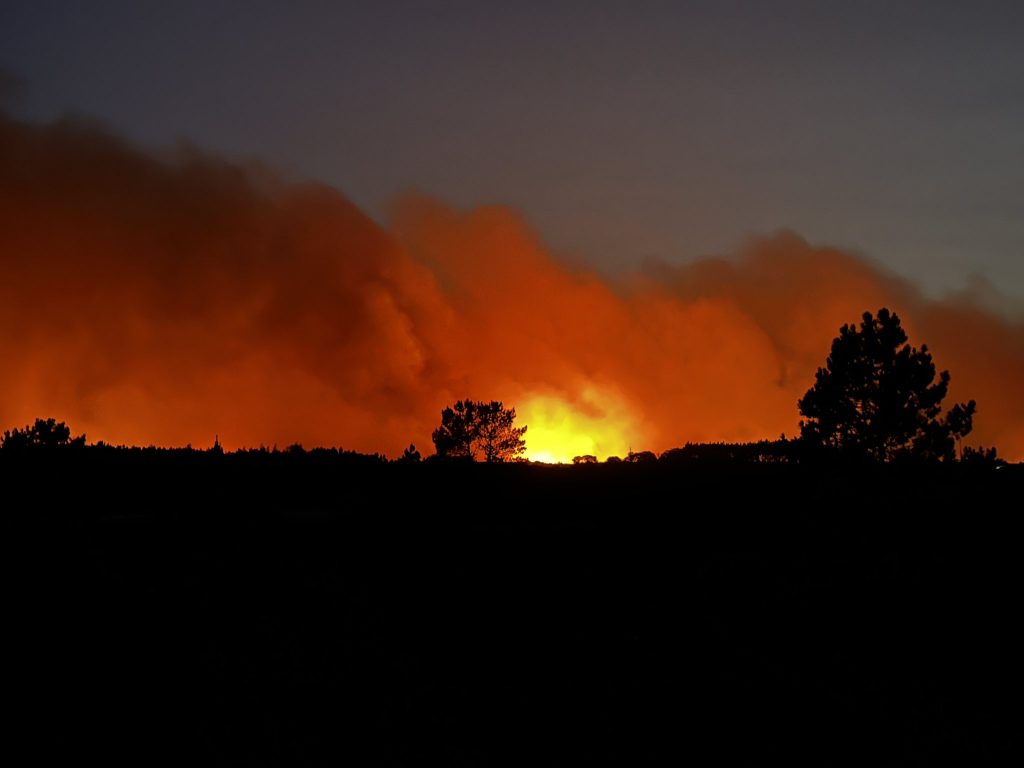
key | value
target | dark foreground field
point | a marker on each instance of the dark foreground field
(299, 611)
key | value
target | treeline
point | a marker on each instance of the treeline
(48, 436)
(876, 400)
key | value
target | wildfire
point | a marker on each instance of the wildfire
(154, 299)
(597, 423)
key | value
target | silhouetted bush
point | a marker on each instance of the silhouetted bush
(410, 455)
(45, 433)
(641, 457)
(981, 456)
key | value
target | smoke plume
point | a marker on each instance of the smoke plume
(152, 299)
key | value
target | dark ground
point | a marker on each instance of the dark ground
(286, 610)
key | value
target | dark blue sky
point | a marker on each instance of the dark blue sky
(622, 130)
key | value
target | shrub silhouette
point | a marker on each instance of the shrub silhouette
(475, 429)
(982, 456)
(45, 433)
(410, 455)
(877, 398)
(641, 457)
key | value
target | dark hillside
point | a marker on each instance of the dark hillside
(274, 609)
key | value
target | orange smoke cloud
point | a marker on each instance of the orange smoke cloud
(160, 300)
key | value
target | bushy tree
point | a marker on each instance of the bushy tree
(641, 457)
(454, 438)
(982, 457)
(475, 429)
(45, 433)
(877, 398)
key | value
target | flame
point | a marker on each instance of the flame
(597, 424)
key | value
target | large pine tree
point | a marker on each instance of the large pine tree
(877, 397)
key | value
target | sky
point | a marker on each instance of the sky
(623, 132)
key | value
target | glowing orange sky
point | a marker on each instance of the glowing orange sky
(165, 300)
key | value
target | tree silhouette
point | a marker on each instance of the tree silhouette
(877, 398)
(454, 438)
(474, 429)
(641, 457)
(45, 433)
(982, 456)
(410, 455)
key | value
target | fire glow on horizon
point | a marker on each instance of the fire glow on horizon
(599, 425)
(155, 301)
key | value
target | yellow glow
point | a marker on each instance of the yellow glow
(597, 424)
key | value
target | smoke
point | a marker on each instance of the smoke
(164, 299)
